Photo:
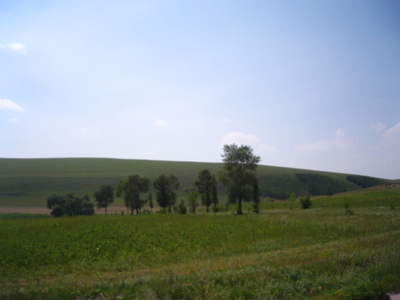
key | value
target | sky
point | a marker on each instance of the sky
(307, 84)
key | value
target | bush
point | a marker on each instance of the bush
(347, 208)
(70, 205)
(181, 209)
(305, 202)
(215, 208)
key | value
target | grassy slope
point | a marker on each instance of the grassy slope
(28, 182)
(320, 253)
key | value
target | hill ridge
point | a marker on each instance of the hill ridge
(29, 181)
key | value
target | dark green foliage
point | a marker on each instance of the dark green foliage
(256, 197)
(305, 202)
(182, 209)
(166, 186)
(279, 186)
(348, 209)
(318, 184)
(214, 194)
(104, 196)
(57, 204)
(130, 189)
(150, 200)
(239, 172)
(205, 184)
(275, 194)
(363, 181)
(192, 199)
(215, 208)
(70, 205)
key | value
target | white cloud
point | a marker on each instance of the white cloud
(17, 47)
(379, 127)
(239, 139)
(340, 142)
(161, 123)
(392, 132)
(226, 120)
(9, 105)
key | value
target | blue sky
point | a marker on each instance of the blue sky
(307, 84)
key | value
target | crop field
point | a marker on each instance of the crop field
(282, 253)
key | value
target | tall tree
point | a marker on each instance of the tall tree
(151, 203)
(165, 186)
(204, 184)
(104, 196)
(192, 199)
(256, 197)
(214, 193)
(130, 189)
(239, 172)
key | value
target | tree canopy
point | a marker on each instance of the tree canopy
(165, 186)
(204, 184)
(130, 189)
(70, 205)
(239, 172)
(104, 196)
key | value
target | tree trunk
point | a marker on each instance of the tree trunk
(239, 212)
(106, 210)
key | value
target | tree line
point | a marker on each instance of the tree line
(363, 181)
(238, 176)
(318, 184)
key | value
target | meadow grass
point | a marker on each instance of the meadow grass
(282, 253)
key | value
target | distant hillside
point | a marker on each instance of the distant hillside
(28, 182)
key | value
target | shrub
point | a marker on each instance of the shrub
(70, 205)
(305, 202)
(215, 208)
(181, 209)
(347, 208)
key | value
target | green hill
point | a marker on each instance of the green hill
(28, 182)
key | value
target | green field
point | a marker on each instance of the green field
(282, 253)
(28, 182)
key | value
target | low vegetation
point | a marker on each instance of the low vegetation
(303, 248)
(318, 253)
